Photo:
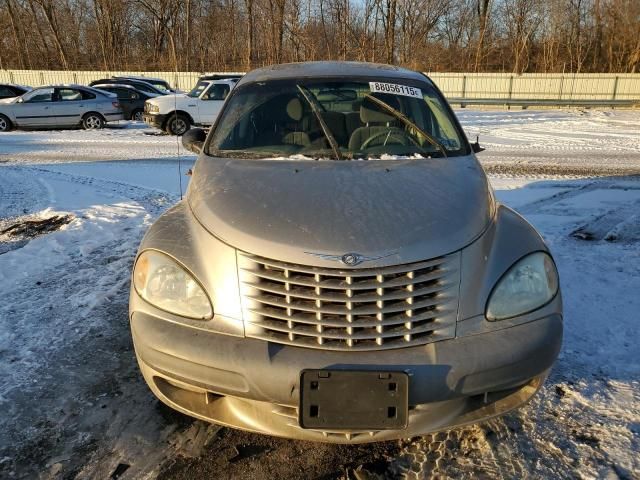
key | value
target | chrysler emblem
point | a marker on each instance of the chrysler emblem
(350, 259)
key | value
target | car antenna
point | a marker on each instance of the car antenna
(175, 113)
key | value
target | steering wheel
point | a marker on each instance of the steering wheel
(400, 138)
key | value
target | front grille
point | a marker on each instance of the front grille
(350, 309)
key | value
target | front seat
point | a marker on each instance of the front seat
(375, 121)
(295, 112)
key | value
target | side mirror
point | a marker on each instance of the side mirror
(476, 147)
(193, 139)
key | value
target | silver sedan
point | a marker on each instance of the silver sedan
(59, 106)
(340, 269)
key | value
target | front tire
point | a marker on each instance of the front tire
(136, 116)
(5, 124)
(177, 124)
(92, 121)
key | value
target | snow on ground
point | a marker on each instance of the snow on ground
(119, 141)
(75, 406)
(583, 142)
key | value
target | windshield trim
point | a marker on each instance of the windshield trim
(426, 84)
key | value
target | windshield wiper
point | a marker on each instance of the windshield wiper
(407, 121)
(325, 128)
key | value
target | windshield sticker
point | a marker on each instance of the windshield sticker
(395, 89)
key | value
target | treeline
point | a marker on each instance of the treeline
(432, 35)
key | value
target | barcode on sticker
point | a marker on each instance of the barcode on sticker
(395, 89)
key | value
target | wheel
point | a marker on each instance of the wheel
(394, 137)
(92, 121)
(5, 124)
(177, 124)
(136, 116)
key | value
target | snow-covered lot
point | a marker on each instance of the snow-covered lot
(74, 205)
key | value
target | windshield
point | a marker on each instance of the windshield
(338, 120)
(160, 86)
(198, 89)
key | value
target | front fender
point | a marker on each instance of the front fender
(507, 240)
(9, 113)
(178, 234)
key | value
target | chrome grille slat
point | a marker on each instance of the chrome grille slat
(362, 272)
(329, 321)
(308, 281)
(337, 333)
(350, 309)
(396, 294)
(307, 306)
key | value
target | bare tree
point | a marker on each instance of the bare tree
(483, 9)
(449, 35)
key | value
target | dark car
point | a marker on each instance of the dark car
(132, 100)
(221, 76)
(157, 83)
(9, 90)
(139, 85)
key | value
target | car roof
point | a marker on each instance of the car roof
(140, 77)
(331, 69)
(65, 85)
(115, 85)
(26, 87)
(221, 76)
(123, 79)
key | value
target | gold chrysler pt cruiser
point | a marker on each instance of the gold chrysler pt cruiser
(340, 270)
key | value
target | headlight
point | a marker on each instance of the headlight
(528, 285)
(166, 284)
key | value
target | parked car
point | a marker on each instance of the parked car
(10, 90)
(158, 83)
(131, 100)
(178, 112)
(139, 85)
(221, 76)
(57, 106)
(340, 269)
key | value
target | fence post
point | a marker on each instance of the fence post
(510, 86)
(615, 88)
(561, 87)
(464, 85)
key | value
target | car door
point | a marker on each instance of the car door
(211, 102)
(68, 106)
(34, 108)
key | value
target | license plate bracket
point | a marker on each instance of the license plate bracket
(353, 400)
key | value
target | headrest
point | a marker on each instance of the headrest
(371, 112)
(294, 109)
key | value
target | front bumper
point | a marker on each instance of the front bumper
(156, 120)
(254, 385)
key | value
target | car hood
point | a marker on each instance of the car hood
(309, 212)
(8, 100)
(171, 98)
